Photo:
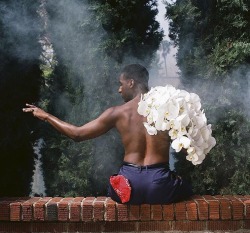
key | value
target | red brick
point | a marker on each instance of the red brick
(98, 209)
(119, 227)
(75, 209)
(241, 198)
(180, 211)
(87, 209)
(78, 199)
(237, 209)
(49, 227)
(27, 208)
(39, 209)
(214, 209)
(15, 227)
(89, 199)
(5, 208)
(230, 197)
(145, 212)
(63, 208)
(202, 209)
(122, 212)
(168, 212)
(225, 225)
(238, 196)
(153, 226)
(197, 197)
(247, 209)
(110, 210)
(191, 210)
(219, 197)
(156, 212)
(209, 197)
(225, 209)
(85, 227)
(52, 209)
(15, 209)
(134, 212)
(101, 199)
(233, 212)
(246, 224)
(187, 226)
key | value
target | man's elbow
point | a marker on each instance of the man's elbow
(76, 135)
(79, 136)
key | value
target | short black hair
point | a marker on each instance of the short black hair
(138, 73)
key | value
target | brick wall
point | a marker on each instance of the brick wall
(101, 214)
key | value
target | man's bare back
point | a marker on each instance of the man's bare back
(140, 147)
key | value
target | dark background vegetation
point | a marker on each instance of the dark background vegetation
(92, 40)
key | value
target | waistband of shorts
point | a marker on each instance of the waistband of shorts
(156, 165)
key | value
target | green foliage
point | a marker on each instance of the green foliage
(228, 55)
(214, 55)
(226, 168)
(131, 28)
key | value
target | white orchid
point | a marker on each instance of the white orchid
(179, 112)
(161, 123)
(171, 109)
(205, 132)
(183, 119)
(143, 108)
(152, 116)
(195, 159)
(211, 143)
(194, 101)
(198, 121)
(184, 107)
(173, 133)
(150, 129)
(179, 143)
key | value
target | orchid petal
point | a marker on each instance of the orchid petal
(150, 129)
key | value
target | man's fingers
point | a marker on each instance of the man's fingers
(30, 105)
(28, 110)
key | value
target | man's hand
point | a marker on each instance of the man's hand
(37, 112)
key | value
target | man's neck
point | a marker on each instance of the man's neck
(139, 92)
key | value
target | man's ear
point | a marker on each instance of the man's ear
(132, 83)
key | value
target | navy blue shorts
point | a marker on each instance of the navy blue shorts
(153, 184)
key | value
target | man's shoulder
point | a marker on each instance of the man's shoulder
(116, 109)
(122, 109)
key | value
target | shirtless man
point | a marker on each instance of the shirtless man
(146, 157)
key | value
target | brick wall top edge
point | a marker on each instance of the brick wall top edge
(70, 209)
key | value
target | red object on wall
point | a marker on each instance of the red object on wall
(122, 187)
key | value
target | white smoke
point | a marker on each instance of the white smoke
(38, 185)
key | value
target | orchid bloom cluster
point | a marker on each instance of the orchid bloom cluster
(179, 112)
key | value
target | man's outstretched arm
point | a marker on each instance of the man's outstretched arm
(93, 129)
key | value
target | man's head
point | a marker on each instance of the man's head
(133, 81)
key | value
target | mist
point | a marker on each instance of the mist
(37, 185)
(19, 25)
(84, 56)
